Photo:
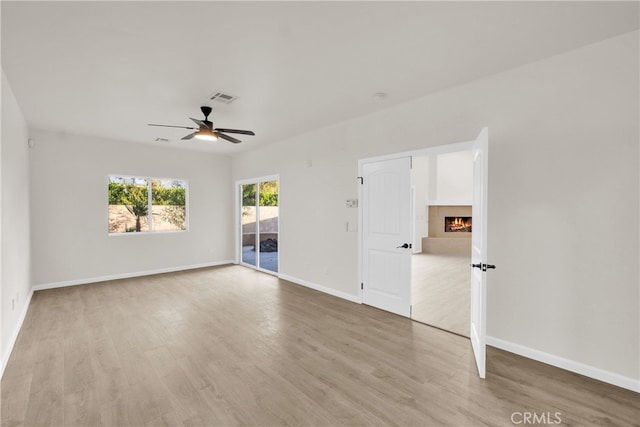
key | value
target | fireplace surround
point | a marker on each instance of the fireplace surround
(453, 221)
(449, 230)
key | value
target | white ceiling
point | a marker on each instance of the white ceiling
(109, 68)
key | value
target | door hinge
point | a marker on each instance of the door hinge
(361, 180)
(410, 311)
(361, 285)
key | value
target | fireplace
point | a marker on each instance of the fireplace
(457, 224)
(449, 230)
(450, 221)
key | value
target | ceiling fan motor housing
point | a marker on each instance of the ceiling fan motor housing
(206, 111)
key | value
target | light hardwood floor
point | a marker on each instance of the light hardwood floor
(441, 291)
(232, 346)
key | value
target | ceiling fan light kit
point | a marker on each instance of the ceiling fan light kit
(206, 135)
(205, 130)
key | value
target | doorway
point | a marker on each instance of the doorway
(259, 223)
(389, 290)
(440, 273)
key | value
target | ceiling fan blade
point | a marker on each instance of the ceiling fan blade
(244, 132)
(188, 136)
(200, 123)
(229, 138)
(170, 126)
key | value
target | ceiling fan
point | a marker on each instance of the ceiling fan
(205, 130)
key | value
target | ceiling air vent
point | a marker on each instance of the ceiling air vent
(223, 97)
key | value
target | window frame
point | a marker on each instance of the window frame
(149, 180)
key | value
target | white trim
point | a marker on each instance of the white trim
(360, 235)
(237, 232)
(16, 331)
(324, 289)
(147, 233)
(449, 203)
(85, 281)
(569, 365)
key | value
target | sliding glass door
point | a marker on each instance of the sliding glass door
(268, 225)
(259, 218)
(248, 223)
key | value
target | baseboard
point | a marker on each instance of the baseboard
(333, 292)
(569, 365)
(14, 335)
(85, 281)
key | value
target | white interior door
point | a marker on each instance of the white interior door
(479, 251)
(386, 235)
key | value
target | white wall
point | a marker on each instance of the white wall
(563, 142)
(15, 285)
(70, 240)
(454, 183)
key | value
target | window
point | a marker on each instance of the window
(138, 204)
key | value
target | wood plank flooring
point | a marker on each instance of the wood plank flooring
(441, 291)
(230, 346)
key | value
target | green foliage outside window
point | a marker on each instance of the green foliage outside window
(139, 205)
(268, 194)
(123, 194)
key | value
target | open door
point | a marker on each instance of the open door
(479, 251)
(386, 235)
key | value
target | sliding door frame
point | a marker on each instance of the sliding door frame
(238, 220)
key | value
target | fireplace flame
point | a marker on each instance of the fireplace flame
(457, 224)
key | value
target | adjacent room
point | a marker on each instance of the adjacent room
(440, 273)
(320, 213)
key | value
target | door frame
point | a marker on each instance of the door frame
(429, 151)
(238, 217)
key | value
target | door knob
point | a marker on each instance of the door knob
(406, 245)
(483, 267)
